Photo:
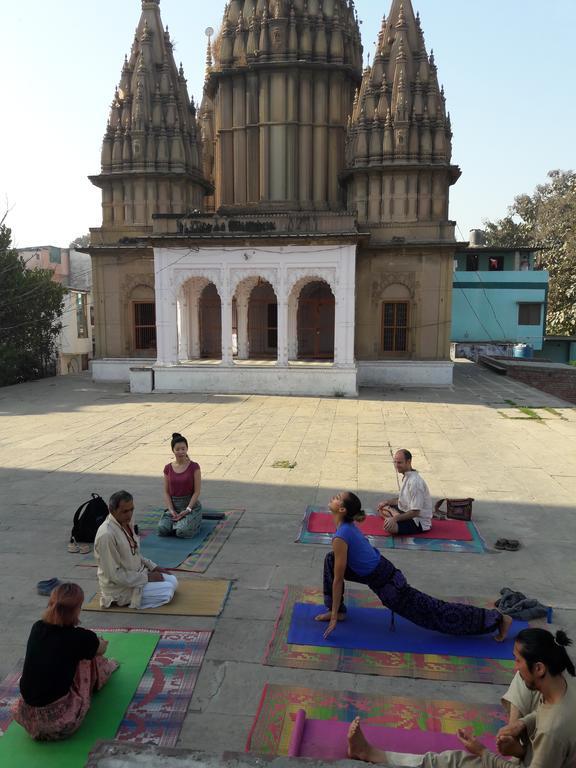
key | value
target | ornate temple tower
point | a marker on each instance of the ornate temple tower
(399, 145)
(151, 163)
(279, 91)
(300, 217)
(150, 154)
(398, 174)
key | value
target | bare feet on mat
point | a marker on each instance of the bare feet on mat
(328, 616)
(360, 749)
(505, 624)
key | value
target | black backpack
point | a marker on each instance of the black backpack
(88, 518)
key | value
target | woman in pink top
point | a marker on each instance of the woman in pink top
(182, 484)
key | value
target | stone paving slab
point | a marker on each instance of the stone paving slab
(62, 439)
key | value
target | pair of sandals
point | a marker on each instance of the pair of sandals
(509, 545)
(79, 549)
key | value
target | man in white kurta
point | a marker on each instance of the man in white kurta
(127, 578)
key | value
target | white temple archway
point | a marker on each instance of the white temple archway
(199, 320)
(311, 320)
(255, 314)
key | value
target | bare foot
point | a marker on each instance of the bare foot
(328, 616)
(360, 749)
(505, 624)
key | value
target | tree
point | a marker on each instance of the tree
(31, 306)
(547, 219)
(83, 241)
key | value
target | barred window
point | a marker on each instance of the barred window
(145, 325)
(395, 326)
(82, 315)
(529, 314)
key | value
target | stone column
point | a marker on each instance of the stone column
(283, 343)
(264, 117)
(242, 301)
(166, 319)
(292, 325)
(194, 323)
(226, 300)
(183, 326)
(344, 316)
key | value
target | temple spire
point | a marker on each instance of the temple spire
(400, 114)
(151, 129)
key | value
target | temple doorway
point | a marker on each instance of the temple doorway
(210, 315)
(315, 323)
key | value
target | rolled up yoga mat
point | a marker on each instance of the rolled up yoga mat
(328, 739)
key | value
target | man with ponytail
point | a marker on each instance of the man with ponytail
(544, 738)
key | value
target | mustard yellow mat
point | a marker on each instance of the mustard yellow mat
(194, 597)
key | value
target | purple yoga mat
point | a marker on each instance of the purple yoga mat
(327, 739)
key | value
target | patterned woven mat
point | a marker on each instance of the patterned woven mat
(272, 729)
(159, 706)
(476, 546)
(426, 666)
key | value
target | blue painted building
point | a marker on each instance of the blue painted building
(499, 299)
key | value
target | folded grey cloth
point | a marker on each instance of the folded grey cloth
(518, 606)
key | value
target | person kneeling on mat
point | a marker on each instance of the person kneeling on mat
(354, 559)
(125, 577)
(63, 667)
(182, 485)
(411, 512)
(543, 738)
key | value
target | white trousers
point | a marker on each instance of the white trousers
(157, 593)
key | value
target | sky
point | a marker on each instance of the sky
(507, 65)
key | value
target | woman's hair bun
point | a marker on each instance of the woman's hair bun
(175, 435)
(562, 639)
(360, 516)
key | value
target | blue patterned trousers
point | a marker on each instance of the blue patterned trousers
(390, 586)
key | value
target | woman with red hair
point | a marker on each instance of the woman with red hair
(64, 665)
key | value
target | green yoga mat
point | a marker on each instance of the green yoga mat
(133, 651)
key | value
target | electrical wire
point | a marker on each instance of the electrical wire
(39, 288)
(486, 331)
(490, 304)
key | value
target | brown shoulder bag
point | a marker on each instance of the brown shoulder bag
(456, 509)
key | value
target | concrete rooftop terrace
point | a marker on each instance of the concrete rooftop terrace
(61, 439)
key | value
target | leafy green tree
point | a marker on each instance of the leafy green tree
(547, 219)
(83, 241)
(31, 308)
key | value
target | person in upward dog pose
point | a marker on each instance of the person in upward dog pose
(354, 559)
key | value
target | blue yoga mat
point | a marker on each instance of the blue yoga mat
(368, 629)
(170, 551)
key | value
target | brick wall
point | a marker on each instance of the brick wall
(554, 381)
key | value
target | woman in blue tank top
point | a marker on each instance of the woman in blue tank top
(353, 558)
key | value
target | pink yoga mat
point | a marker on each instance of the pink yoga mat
(456, 530)
(327, 739)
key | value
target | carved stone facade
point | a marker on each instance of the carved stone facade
(300, 215)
